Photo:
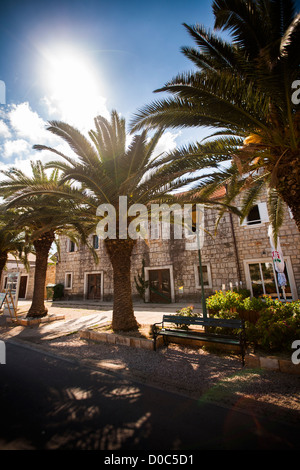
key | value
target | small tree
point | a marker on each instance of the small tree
(41, 213)
(140, 282)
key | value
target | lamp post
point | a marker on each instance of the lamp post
(204, 311)
(196, 228)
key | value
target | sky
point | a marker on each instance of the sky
(72, 60)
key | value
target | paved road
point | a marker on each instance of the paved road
(51, 403)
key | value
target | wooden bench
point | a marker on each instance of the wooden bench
(203, 329)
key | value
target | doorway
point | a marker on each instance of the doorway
(160, 285)
(94, 283)
(23, 287)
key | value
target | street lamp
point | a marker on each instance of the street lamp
(196, 228)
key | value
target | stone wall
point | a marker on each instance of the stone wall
(225, 254)
(50, 278)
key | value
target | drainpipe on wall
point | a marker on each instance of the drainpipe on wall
(235, 249)
(235, 246)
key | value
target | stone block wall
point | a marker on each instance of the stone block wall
(224, 252)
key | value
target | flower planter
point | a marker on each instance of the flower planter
(114, 338)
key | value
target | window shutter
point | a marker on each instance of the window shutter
(263, 211)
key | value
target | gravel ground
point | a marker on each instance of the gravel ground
(195, 373)
(192, 372)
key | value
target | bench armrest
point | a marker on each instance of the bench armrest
(154, 327)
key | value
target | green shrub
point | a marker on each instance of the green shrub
(253, 304)
(231, 301)
(243, 292)
(222, 302)
(277, 327)
(187, 312)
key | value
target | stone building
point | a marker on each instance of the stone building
(237, 255)
(26, 282)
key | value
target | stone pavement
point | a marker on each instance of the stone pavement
(77, 316)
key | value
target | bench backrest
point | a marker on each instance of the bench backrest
(200, 321)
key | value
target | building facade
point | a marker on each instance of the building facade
(237, 255)
(26, 281)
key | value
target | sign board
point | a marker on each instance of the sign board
(6, 298)
(2, 298)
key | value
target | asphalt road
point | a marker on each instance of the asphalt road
(51, 403)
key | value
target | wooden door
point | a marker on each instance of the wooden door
(23, 286)
(160, 285)
(94, 286)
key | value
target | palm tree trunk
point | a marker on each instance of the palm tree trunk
(295, 209)
(42, 247)
(289, 188)
(119, 252)
(3, 259)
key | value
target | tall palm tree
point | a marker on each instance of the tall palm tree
(244, 90)
(106, 168)
(42, 215)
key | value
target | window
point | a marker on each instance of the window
(68, 280)
(95, 242)
(257, 215)
(192, 240)
(71, 246)
(254, 216)
(206, 273)
(261, 279)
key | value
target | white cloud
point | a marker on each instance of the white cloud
(4, 130)
(27, 124)
(20, 129)
(166, 143)
(15, 147)
(78, 112)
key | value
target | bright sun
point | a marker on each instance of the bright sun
(73, 88)
(71, 76)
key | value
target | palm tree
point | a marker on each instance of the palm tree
(42, 215)
(107, 169)
(243, 89)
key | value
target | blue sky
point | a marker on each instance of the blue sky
(117, 52)
(71, 60)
